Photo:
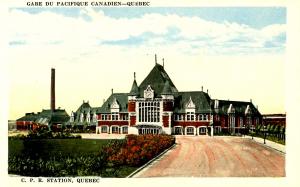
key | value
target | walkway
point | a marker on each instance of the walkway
(203, 156)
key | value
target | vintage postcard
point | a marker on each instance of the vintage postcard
(135, 92)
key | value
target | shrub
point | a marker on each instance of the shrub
(138, 149)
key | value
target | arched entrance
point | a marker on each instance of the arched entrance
(149, 129)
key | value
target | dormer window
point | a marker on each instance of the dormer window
(114, 107)
(190, 104)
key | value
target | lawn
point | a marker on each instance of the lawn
(62, 157)
(46, 147)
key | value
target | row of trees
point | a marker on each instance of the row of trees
(270, 131)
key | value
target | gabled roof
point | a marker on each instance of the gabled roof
(199, 98)
(122, 100)
(239, 107)
(157, 79)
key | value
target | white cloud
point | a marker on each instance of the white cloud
(50, 28)
(87, 68)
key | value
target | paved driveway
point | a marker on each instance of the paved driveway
(203, 156)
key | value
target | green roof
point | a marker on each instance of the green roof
(157, 79)
(239, 106)
(134, 89)
(56, 116)
(122, 100)
(167, 90)
(199, 98)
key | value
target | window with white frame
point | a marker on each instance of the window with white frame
(149, 111)
(114, 116)
(104, 129)
(104, 117)
(202, 130)
(114, 129)
(190, 116)
(205, 117)
(190, 130)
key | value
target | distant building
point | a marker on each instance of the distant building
(274, 119)
(52, 118)
(156, 106)
(85, 115)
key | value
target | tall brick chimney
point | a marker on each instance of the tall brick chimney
(52, 89)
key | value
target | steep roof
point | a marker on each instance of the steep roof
(199, 98)
(122, 100)
(167, 88)
(134, 89)
(84, 107)
(157, 79)
(239, 107)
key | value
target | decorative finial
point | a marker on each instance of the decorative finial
(250, 100)
(155, 59)
(202, 88)
(134, 75)
(112, 91)
(207, 91)
(163, 62)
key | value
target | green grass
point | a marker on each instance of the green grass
(47, 147)
(62, 157)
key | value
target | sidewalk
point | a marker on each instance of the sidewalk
(273, 145)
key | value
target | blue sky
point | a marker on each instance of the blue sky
(256, 17)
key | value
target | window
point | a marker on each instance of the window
(104, 117)
(124, 117)
(114, 116)
(114, 129)
(249, 120)
(103, 129)
(190, 130)
(190, 116)
(124, 130)
(241, 121)
(149, 111)
(202, 130)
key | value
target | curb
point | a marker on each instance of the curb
(266, 145)
(150, 161)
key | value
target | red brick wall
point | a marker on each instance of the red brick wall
(167, 106)
(166, 121)
(132, 120)
(109, 123)
(131, 106)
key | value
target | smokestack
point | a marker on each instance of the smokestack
(52, 89)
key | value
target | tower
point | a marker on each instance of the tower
(52, 101)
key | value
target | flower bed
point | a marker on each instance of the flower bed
(137, 150)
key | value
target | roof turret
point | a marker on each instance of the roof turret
(134, 88)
